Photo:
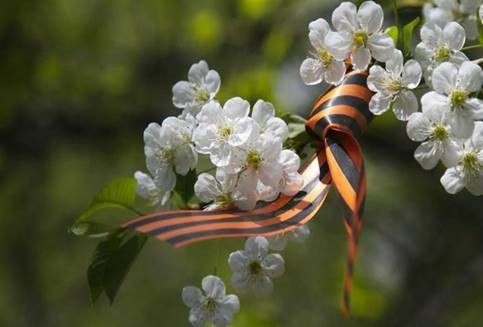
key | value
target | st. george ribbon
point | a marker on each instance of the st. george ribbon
(338, 119)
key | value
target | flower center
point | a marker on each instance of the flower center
(442, 54)
(470, 163)
(254, 160)
(224, 199)
(255, 268)
(202, 95)
(165, 154)
(457, 98)
(210, 304)
(325, 56)
(360, 38)
(394, 85)
(439, 132)
(224, 132)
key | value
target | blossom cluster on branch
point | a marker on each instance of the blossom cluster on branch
(245, 145)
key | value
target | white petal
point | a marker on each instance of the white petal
(339, 44)
(262, 286)
(293, 183)
(334, 73)
(451, 154)
(462, 124)
(381, 46)
(185, 158)
(183, 94)
(454, 35)
(289, 160)
(300, 234)
(475, 106)
(273, 265)
(212, 83)
(475, 184)
(377, 79)
(428, 154)
(452, 180)
(406, 103)
(225, 310)
(411, 74)
(435, 106)
(262, 112)
(213, 287)
(360, 58)
(240, 281)
(145, 185)
(471, 27)
(256, 247)
(379, 103)
(243, 131)
(165, 178)
(236, 108)
(370, 16)
(238, 261)
(206, 188)
(470, 77)
(444, 78)
(198, 72)
(431, 35)
(318, 29)
(395, 64)
(211, 113)
(278, 128)
(278, 242)
(418, 127)
(477, 137)
(205, 136)
(312, 71)
(344, 17)
(191, 296)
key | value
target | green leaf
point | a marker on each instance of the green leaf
(393, 32)
(90, 228)
(111, 262)
(119, 193)
(185, 188)
(407, 36)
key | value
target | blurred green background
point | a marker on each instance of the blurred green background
(80, 80)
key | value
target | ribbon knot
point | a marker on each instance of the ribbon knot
(337, 120)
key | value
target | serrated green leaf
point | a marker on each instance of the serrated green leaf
(393, 32)
(111, 261)
(407, 36)
(119, 193)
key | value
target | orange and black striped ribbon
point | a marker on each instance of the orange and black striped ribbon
(337, 120)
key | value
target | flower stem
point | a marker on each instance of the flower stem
(474, 46)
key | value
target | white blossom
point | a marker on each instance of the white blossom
(253, 268)
(201, 87)
(220, 191)
(256, 161)
(169, 146)
(359, 34)
(439, 45)
(212, 305)
(432, 128)
(322, 66)
(469, 170)
(264, 115)
(147, 189)
(222, 129)
(393, 86)
(279, 242)
(291, 180)
(461, 11)
(454, 86)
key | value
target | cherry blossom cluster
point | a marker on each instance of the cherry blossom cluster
(244, 146)
(449, 125)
